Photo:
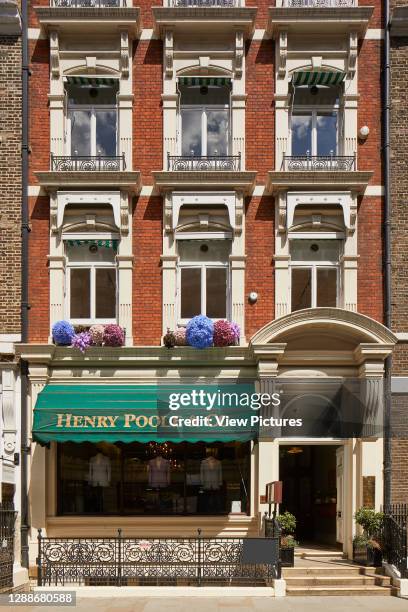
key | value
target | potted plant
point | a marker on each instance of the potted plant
(367, 547)
(287, 524)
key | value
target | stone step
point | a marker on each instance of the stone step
(351, 581)
(334, 570)
(320, 553)
(325, 591)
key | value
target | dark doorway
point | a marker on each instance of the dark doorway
(308, 474)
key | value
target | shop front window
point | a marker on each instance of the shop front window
(153, 479)
(205, 120)
(91, 280)
(92, 120)
(314, 273)
(203, 278)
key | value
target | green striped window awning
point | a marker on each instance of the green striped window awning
(85, 81)
(214, 81)
(109, 244)
(318, 77)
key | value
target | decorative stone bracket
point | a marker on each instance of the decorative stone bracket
(168, 53)
(283, 53)
(239, 53)
(352, 54)
(124, 54)
(54, 54)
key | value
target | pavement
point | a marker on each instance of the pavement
(229, 604)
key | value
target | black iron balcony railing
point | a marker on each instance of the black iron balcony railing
(203, 163)
(331, 163)
(88, 163)
(204, 3)
(319, 3)
(88, 3)
(160, 561)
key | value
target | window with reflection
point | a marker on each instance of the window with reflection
(315, 273)
(315, 121)
(153, 479)
(92, 119)
(91, 280)
(205, 120)
(203, 278)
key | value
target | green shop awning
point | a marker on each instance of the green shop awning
(144, 413)
(195, 81)
(318, 77)
(85, 81)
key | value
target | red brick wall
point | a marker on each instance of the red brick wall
(38, 284)
(259, 274)
(38, 108)
(147, 276)
(370, 277)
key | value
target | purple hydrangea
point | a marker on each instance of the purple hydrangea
(236, 331)
(82, 341)
(199, 332)
(114, 335)
(62, 333)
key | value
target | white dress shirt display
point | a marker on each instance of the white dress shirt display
(211, 474)
(158, 472)
(99, 471)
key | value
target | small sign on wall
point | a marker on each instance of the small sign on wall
(369, 491)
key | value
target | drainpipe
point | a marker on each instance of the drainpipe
(387, 249)
(25, 229)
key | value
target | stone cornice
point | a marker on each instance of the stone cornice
(10, 21)
(195, 18)
(313, 20)
(236, 180)
(88, 19)
(319, 179)
(128, 181)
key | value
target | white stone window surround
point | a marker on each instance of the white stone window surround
(293, 55)
(121, 204)
(100, 59)
(326, 198)
(206, 59)
(93, 266)
(234, 203)
(283, 233)
(203, 266)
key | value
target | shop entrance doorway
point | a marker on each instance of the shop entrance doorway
(313, 491)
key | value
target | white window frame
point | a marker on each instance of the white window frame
(93, 266)
(93, 108)
(328, 264)
(204, 108)
(314, 111)
(203, 266)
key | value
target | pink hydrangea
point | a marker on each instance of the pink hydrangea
(180, 336)
(97, 333)
(114, 335)
(223, 334)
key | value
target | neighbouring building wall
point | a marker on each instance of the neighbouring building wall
(399, 239)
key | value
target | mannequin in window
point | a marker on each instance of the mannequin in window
(158, 470)
(100, 471)
(211, 474)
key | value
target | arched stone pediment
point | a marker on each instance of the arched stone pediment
(329, 327)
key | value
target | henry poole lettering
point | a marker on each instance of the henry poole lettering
(68, 420)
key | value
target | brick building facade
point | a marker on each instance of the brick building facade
(223, 172)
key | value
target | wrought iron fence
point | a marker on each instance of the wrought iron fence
(88, 3)
(7, 522)
(88, 163)
(399, 513)
(333, 163)
(319, 3)
(204, 3)
(203, 163)
(394, 544)
(120, 561)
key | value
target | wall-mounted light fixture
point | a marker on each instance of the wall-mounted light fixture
(363, 132)
(253, 297)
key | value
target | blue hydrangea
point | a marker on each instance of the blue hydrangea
(200, 332)
(63, 332)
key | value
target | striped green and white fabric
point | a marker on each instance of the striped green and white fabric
(318, 77)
